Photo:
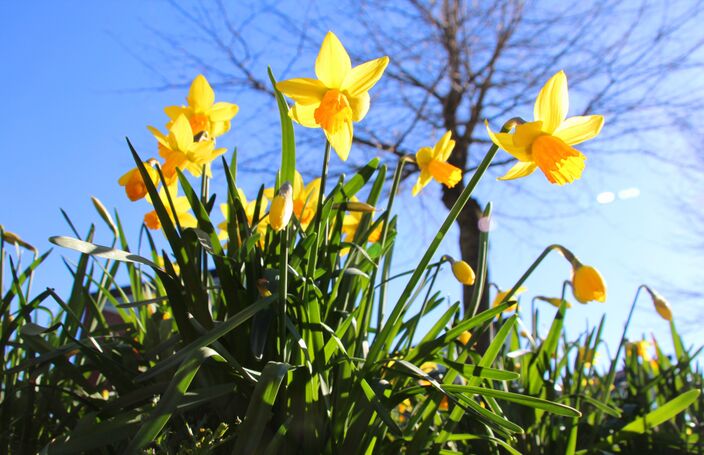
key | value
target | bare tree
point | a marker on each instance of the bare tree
(455, 63)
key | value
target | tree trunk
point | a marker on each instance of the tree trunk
(468, 222)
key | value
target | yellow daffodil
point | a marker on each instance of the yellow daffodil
(464, 337)
(338, 97)
(249, 207)
(554, 301)
(202, 112)
(181, 206)
(428, 368)
(501, 295)
(641, 347)
(661, 305)
(587, 284)
(350, 224)
(433, 164)
(587, 356)
(281, 208)
(463, 272)
(160, 262)
(305, 199)
(546, 142)
(134, 183)
(404, 407)
(180, 150)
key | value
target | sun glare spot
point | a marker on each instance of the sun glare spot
(606, 197)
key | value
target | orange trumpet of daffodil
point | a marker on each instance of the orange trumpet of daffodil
(180, 150)
(202, 112)
(338, 97)
(134, 183)
(546, 142)
(433, 164)
(181, 206)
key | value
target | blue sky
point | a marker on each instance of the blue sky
(73, 90)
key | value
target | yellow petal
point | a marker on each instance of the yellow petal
(175, 111)
(520, 169)
(363, 77)
(297, 184)
(303, 90)
(423, 179)
(341, 140)
(304, 114)
(182, 133)
(160, 137)
(575, 130)
(222, 111)
(444, 147)
(217, 129)
(505, 142)
(201, 95)
(552, 102)
(333, 63)
(360, 106)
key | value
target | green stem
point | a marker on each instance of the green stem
(387, 334)
(382, 243)
(283, 292)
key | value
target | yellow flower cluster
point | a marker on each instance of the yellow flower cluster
(333, 101)
(189, 144)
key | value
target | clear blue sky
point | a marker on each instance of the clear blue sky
(72, 90)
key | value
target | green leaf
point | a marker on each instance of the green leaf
(169, 400)
(662, 414)
(288, 139)
(468, 370)
(259, 409)
(101, 251)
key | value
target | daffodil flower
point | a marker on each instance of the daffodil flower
(338, 97)
(587, 284)
(501, 295)
(641, 348)
(305, 199)
(586, 356)
(546, 142)
(433, 164)
(181, 206)
(180, 150)
(350, 224)
(249, 207)
(202, 112)
(134, 183)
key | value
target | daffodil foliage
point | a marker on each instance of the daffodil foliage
(268, 325)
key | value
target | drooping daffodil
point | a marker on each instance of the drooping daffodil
(547, 142)
(134, 183)
(338, 97)
(587, 284)
(202, 112)
(433, 164)
(501, 295)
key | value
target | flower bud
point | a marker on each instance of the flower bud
(661, 305)
(463, 272)
(281, 208)
(587, 284)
